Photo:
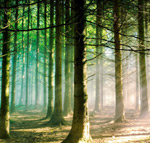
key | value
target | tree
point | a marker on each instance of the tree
(80, 131)
(45, 52)
(23, 62)
(67, 101)
(37, 57)
(57, 117)
(137, 107)
(119, 116)
(142, 70)
(4, 124)
(72, 55)
(27, 59)
(51, 56)
(98, 36)
(13, 90)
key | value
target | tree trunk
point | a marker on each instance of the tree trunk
(101, 75)
(57, 117)
(4, 123)
(13, 90)
(45, 47)
(27, 62)
(80, 125)
(51, 56)
(143, 80)
(67, 101)
(23, 63)
(98, 36)
(37, 58)
(72, 56)
(119, 116)
(137, 106)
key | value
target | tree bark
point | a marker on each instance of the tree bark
(72, 56)
(57, 117)
(67, 101)
(23, 64)
(143, 80)
(137, 106)
(80, 131)
(27, 61)
(98, 36)
(51, 62)
(119, 116)
(4, 124)
(13, 90)
(45, 52)
(37, 58)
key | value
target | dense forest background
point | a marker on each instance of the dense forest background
(61, 59)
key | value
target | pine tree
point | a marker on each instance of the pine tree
(4, 123)
(142, 62)
(57, 117)
(119, 116)
(80, 131)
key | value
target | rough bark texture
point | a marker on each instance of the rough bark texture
(51, 56)
(143, 80)
(119, 116)
(67, 101)
(4, 123)
(80, 132)
(13, 90)
(57, 117)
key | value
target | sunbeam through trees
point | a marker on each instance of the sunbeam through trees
(74, 71)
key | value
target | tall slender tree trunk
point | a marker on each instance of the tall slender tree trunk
(80, 131)
(45, 49)
(13, 90)
(72, 55)
(137, 106)
(51, 56)
(63, 45)
(4, 123)
(98, 31)
(27, 62)
(23, 63)
(119, 116)
(101, 74)
(37, 57)
(57, 117)
(67, 101)
(143, 80)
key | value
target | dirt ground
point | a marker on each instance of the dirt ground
(31, 128)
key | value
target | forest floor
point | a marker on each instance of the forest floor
(29, 127)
